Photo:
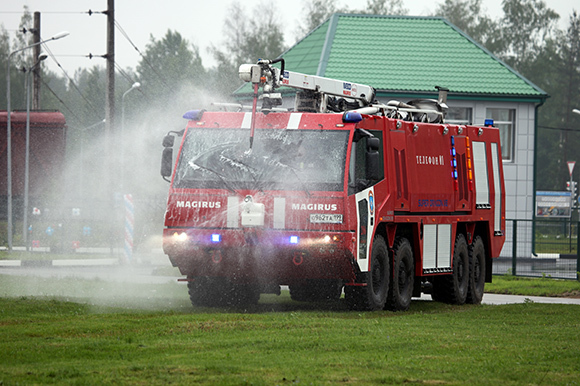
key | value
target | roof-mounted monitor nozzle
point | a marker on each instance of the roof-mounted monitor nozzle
(442, 99)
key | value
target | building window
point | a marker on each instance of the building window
(504, 120)
(459, 116)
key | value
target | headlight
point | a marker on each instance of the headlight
(180, 237)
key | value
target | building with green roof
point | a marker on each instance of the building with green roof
(405, 57)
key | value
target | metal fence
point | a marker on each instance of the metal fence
(540, 248)
(69, 228)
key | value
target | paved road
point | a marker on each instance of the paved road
(513, 299)
(149, 273)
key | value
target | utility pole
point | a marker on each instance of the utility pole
(110, 117)
(110, 56)
(36, 56)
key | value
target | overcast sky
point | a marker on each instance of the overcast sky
(200, 22)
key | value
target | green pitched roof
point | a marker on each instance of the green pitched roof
(405, 54)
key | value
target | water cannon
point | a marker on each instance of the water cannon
(269, 77)
(262, 73)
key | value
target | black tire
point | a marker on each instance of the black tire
(403, 279)
(205, 291)
(453, 288)
(220, 292)
(316, 290)
(244, 295)
(477, 271)
(374, 295)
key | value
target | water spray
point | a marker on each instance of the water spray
(269, 77)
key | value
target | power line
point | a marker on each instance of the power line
(89, 12)
(60, 100)
(71, 80)
(159, 75)
(123, 73)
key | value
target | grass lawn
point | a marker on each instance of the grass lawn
(119, 333)
(515, 285)
(50, 341)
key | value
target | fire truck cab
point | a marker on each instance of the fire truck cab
(341, 193)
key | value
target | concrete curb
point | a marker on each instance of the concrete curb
(60, 263)
(554, 256)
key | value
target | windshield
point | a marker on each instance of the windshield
(279, 160)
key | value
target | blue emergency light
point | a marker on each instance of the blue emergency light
(351, 117)
(216, 238)
(193, 115)
(294, 239)
(488, 123)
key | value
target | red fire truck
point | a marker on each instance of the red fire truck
(384, 201)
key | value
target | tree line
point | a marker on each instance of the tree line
(174, 79)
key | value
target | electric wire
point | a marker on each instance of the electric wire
(89, 12)
(159, 75)
(60, 100)
(123, 73)
(129, 79)
(72, 82)
(90, 56)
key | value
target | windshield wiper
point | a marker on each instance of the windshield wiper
(293, 170)
(198, 166)
(300, 181)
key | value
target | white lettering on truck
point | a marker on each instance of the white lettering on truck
(327, 207)
(199, 204)
(437, 160)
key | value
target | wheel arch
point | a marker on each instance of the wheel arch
(482, 230)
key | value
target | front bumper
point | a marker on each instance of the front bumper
(280, 256)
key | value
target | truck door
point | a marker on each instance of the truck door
(363, 188)
(399, 143)
(365, 214)
(461, 168)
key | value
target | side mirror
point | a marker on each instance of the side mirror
(373, 159)
(168, 140)
(167, 163)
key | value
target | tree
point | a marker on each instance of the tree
(246, 40)
(558, 74)
(23, 38)
(468, 16)
(316, 12)
(170, 64)
(4, 52)
(525, 27)
(569, 53)
(17, 61)
(384, 7)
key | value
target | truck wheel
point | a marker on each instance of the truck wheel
(317, 290)
(202, 292)
(244, 295)
(477, 271)
(403, 278)
(373, 296)
(453, 288)
(220, 292)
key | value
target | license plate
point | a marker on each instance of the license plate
(320, 218)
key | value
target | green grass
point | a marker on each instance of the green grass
(515, 285)
(169, 295)
(89, 331)
(55, 342)
(553, 244)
